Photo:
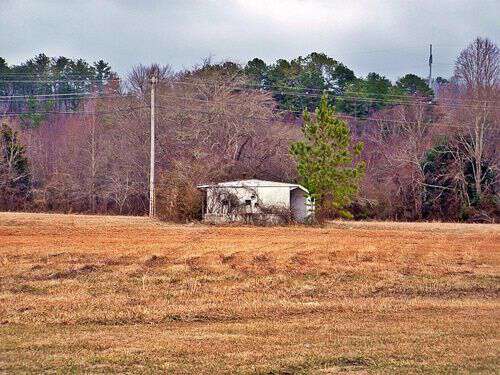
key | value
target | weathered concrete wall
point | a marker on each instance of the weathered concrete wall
(300, 204)
(231, 203)
(258, 196)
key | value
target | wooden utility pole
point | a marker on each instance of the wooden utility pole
(154, 80)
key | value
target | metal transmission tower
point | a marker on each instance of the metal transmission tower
(430, 66)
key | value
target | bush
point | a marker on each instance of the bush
(177, 199)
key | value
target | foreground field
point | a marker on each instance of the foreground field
(116, 294)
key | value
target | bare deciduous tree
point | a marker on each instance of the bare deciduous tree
(139, 79)
(396, 142)
(476, 89)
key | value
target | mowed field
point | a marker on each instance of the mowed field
(93, 294)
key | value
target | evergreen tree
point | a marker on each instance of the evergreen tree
(256, 71)
(414, 85)
(14, 170)
(326, 161)
(102, 73)
(364, 96)
(296, 83)
(36, 112)
(43, 75)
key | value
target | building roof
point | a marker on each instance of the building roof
(253, 183)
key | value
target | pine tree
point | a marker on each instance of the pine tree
(326, 162)
(14, 170)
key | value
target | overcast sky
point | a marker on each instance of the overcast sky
(388, 37)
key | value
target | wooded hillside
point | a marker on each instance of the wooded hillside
(75, 136)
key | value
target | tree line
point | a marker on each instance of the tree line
(75, 137)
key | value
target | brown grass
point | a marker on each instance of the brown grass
(120, 294)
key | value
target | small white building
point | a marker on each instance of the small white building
(251, 200)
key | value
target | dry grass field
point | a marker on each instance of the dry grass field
(126, 295)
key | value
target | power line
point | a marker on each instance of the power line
(71, 112)
(46, 99)
(93, 95)
(78, 96)
(250, 117)
(56, 95)
(408, 100)
(44, 74)
(46, 95)
(304, 90)
(341, 115)
(56, 81)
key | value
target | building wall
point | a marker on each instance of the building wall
(277, 196)
(300, 204)
(257, 196)
(274, 196)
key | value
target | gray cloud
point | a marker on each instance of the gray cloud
(389, 37)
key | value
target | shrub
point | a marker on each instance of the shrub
(177, 199)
